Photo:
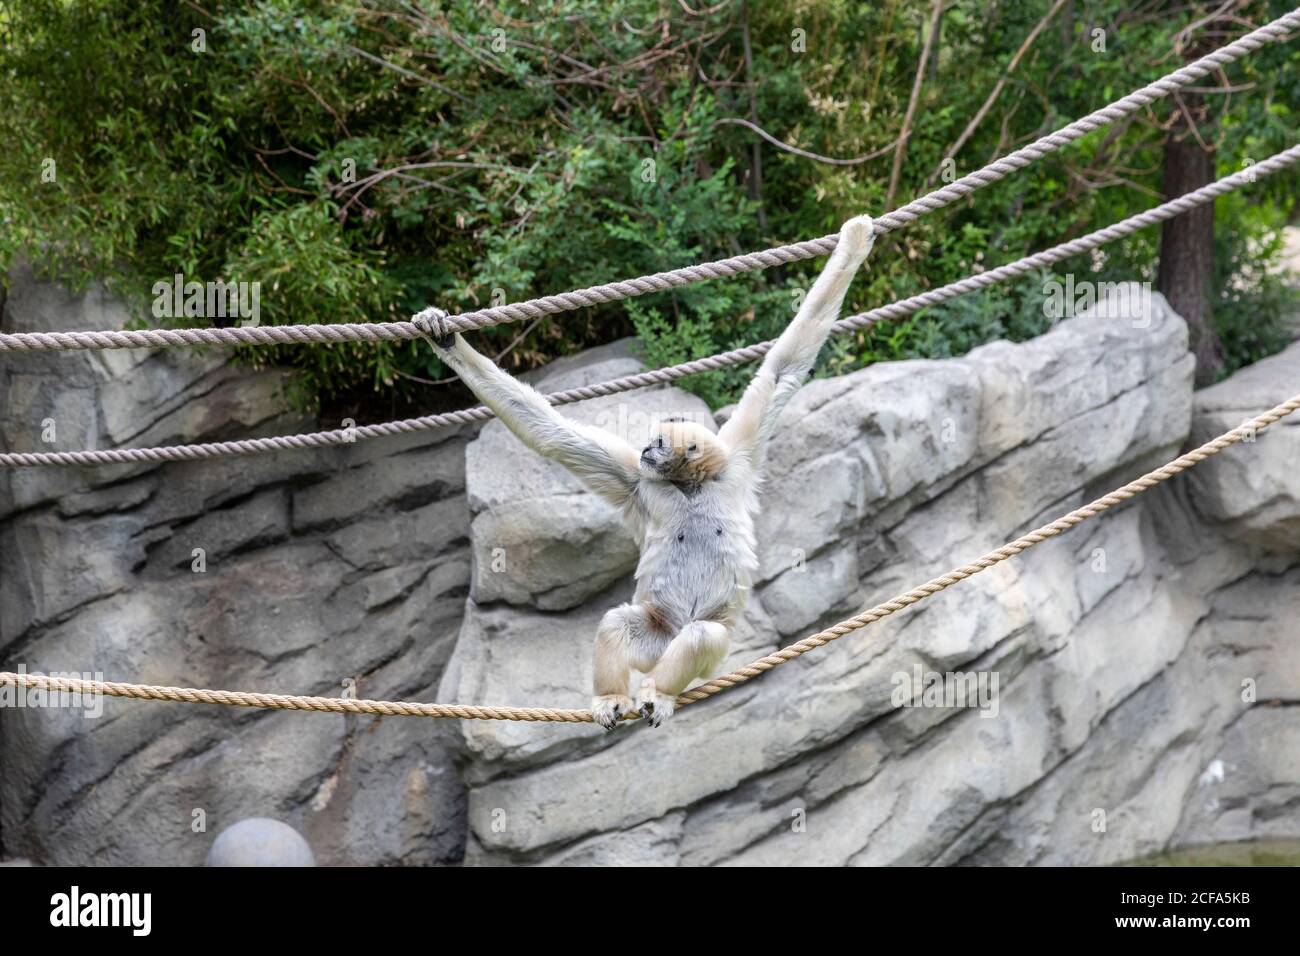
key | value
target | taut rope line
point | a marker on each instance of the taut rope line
(341, 705)
(748, 353)
(1278, 30)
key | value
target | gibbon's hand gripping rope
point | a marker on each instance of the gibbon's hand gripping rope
(340, 705)
(749, 353)
(1280, 29)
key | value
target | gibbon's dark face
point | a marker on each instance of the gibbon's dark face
(683, 452)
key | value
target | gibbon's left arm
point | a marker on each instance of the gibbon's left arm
(786, 366)
(603, 460)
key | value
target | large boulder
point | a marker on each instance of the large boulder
(1252, 491)
(877, 480)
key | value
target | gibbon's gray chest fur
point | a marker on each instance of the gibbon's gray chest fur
(691, 565)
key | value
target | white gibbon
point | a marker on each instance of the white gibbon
(690, 497)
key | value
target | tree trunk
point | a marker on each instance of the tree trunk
(1187, 241)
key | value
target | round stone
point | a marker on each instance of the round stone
(260, 842)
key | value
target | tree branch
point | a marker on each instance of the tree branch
(901, 151)
(998, 87)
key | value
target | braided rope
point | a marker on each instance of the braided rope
(739, 356)
(323, 705)
(342, 705)
(1279, 30)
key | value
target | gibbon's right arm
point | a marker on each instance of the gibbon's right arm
(604, 461)
(791, 358)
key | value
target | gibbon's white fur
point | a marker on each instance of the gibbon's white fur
(690, 497)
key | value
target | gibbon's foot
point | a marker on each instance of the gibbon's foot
(654, 707)
(429, 322)
(608, 709)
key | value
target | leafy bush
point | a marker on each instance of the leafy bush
(364, 158)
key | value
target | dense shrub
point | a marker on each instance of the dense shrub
(506, 151)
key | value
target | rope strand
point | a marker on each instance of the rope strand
(748, 353)
(343, 705)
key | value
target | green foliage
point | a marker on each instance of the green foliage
(364, 158)
(1255, 309)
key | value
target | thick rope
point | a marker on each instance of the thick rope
(343, 705)
(1279, 30)
(748, 353)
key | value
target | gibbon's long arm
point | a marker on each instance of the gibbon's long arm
(603, 460)
(791, 359)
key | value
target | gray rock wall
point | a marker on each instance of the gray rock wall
(350, 565)
(1147, 663)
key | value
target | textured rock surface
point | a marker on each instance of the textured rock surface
(1257, 494)
(1102, 641)
(1147, 663)
(321, 568)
